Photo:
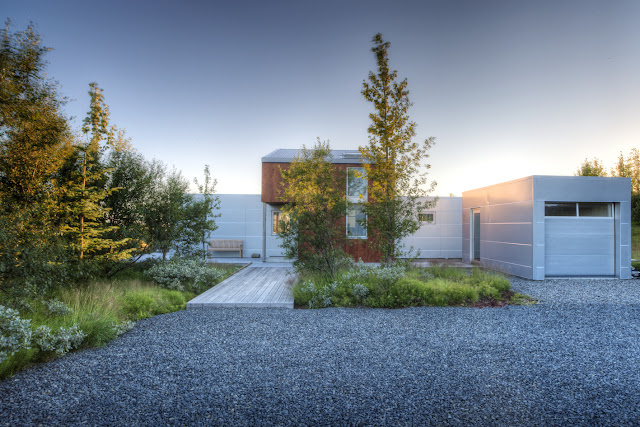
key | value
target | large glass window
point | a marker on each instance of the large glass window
(279, 216)
(356, 185)
(560, 209)
(355, 224)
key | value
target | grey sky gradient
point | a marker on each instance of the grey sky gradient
(508, 88)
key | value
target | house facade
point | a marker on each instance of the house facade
(534, 227)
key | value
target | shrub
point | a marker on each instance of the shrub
(184, 274)
(15, 332)
(61, 341)
(57, 308)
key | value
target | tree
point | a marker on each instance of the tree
(200, 215)
(591, 168)
(137, 180)
(34, 134)
(394, 160)
(86, 190)
(314, 236)
(34, 139)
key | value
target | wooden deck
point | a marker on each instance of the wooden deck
(255, 287)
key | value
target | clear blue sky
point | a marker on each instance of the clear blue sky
(508, 88)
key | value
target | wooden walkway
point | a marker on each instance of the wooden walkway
(255, 287)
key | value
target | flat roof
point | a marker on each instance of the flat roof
(287, 155)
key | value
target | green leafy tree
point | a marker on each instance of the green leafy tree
(34, 139)
(137, 180)
(314, 236)
(165, 214)
(34, 133)
(201, 215)
(396, 165)
(591, 168)
(86, 190)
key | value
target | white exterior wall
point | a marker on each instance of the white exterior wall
(241, 218)
(443, 237)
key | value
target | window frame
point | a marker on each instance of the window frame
(347, 216)
(576, 205)
(433, 215)
(274, 232)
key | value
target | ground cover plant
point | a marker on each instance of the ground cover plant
(399, 285)
(94, 314)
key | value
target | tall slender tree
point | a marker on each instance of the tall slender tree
(396, 165)
(86, 191)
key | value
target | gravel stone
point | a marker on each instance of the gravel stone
(571, 359)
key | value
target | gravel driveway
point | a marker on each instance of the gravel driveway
(572, 359)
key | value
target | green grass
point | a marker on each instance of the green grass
(389, 288)
(635, 244)
(100, 305)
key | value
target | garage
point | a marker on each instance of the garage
(550, 226)
(579, 239)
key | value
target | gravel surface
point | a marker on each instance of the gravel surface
(572, 359)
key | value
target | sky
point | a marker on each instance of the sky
(508, 88)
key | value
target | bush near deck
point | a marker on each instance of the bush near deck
(398, 286)
(101, 310)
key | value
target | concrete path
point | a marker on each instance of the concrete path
(256, 286)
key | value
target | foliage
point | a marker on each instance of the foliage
(61, 341)
(15, 333)
(199, 219)
(394, 286)
(591, 168)
(33, 129)
(85, 189)
(184, 274)
(394, 161)
(316, 205)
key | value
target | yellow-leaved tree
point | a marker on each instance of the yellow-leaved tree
(396, 166)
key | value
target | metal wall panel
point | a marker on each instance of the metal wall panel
(442, 238)
(241, 219)
(579, 246)
(582, 189)
(506, 226)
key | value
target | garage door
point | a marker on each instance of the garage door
(579, 239)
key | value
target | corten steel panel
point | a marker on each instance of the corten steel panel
(272, 182)
(272, 179)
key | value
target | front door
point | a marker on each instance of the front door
(475, 232)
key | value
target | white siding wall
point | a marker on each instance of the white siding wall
(443, 237)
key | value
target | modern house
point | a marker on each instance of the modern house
(534, 227)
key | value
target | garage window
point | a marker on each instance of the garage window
(583, 209)
(595, 209)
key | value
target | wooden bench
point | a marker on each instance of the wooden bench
(225, 245)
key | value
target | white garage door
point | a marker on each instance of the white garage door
(579, 239)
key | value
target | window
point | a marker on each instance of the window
(595, 209)
(560, 209)
(582, 209)
(428, 217)
(277, 217)
(356, 185)
(355, 216)
(356, 193)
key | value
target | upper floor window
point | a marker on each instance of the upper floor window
(356, 185)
